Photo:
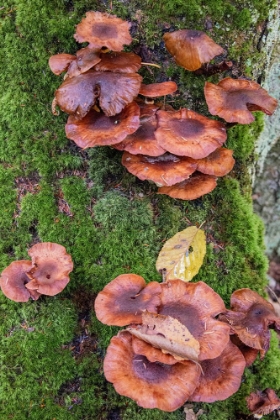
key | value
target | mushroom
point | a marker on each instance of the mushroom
(250, 318)
(151, 385)
(196, 305)
(152, 353)
(187, 133)
(103, 29)
(96, 129)
(234, 99)
(120, 62)
(155, 90)
(218, 163)
(249, 354)
(78, 94)
(59, 63)
(261, 403)
(194, 187)
(191, 48)
(124, 299)
(166, 169)
(13, 282)
(86, 58)
(51, 265)
(221, 376)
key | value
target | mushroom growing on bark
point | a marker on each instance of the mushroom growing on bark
(191, 48)
(234, 99)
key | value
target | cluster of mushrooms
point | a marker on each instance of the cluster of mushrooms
(46, 274)
(179, 150)
(181, 343)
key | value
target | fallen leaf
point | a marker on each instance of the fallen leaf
(182, 256)
(168, 334)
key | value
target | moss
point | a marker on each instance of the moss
(110, 222)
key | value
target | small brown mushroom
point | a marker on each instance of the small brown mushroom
(155, 90)
(194, 187)
(187, 133)
(191, 48)
(234, 99)
(124, 299)
(13, 282)
(166, 169)
(86, 58)
(95, 129)
(60, 62)
(249, 354)
(78, 94)
(261, 403)
(102, 29)
(218, 163)
(151, 385)
(221, 376)
(50, 269)
(120, 62)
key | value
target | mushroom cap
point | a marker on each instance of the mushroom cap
(151, 385)
(221, 376)
(95, 129)
(78, 94)
(60, 62)
(86, 58)
(166, 169)
(263, 402)
(250, 318)
(50, 269)
(102, 29)
(120, 62)
(234, 99)
(196, 305)
(143, 140)
(191, 48)
(249, 354)
(152, 353)
(124, 299)
(13, 280)
(194, 187)
(155, 90)
(187, 133)
(218, 163)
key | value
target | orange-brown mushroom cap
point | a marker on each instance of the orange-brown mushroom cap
(187, 133)
(166, 169)
(218, 163)
(124, 299)
(249, 353)
(194, 187)
(152, 353)
(13, 282)
(151, 385)
(78, 94)
(120, 62)
(221, 376)
(50, 270)
(191, 48)
(250, 318)
(102, 29)
(86, 58)
(263, 402)
(96, 129)
(196, 305)
(60, 62)
(234, 99)
(155, 90)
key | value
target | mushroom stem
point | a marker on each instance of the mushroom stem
(151, 65)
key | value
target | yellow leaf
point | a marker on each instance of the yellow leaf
(182, 256)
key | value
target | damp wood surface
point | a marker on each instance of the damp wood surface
(52, 349)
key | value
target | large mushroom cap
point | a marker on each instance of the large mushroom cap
(221, 376)
(194, 187)
(14, 279)
(191, 48)
(78, 94)
(124, 299)
(95, 129)
(263, 402)
(187, 133)
(234, 99)
(196, 305)
(218, 163)
(155, 90)
(50, 270)
(166, 169)
(120, 62)
(151, 385)
(102, 29)
(60, 62)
